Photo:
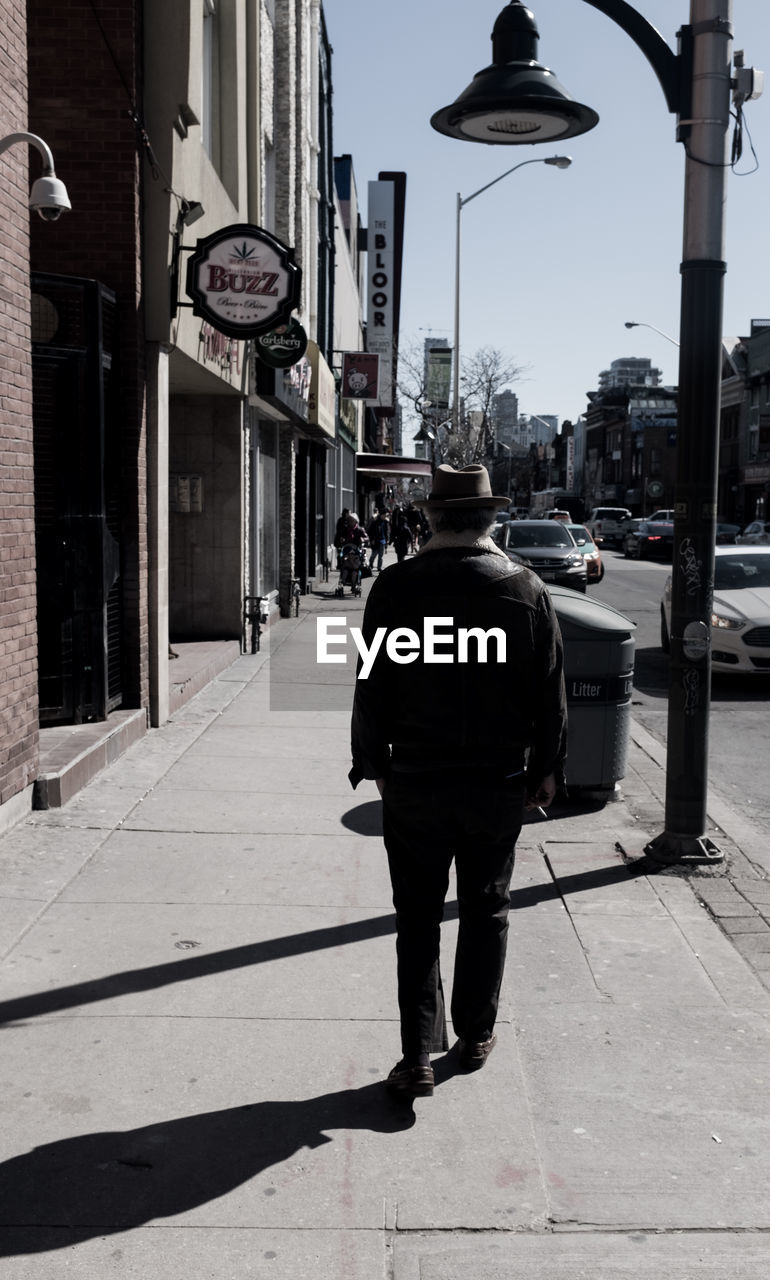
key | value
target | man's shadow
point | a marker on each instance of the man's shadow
(112, 1181)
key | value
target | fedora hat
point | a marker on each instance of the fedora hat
(454, 490)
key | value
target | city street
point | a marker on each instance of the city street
(739, 748)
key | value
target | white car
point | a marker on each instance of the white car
(740, 621)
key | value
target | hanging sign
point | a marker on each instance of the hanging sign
(360, 376)
(243, 281)
(282, 347)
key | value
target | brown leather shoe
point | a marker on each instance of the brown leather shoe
(474, 1053)
(410, 1082)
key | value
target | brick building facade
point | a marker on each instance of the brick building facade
(18, 638)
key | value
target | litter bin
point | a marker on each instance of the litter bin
(598, 674)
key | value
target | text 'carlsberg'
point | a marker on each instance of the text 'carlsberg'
(440, 642)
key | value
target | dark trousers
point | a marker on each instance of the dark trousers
(429, 819)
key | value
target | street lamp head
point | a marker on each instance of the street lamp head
(515, 100)
(561, 162)
(632, 324)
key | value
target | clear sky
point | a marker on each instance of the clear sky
(554, 261)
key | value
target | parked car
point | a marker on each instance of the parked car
(653, 540)
(589, 551)
(757, 531)
(727, 532)
(740, 621)
(546, 547)
(605, 525)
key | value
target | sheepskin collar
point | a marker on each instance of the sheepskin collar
(473, 541)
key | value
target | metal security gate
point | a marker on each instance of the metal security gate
(77, 499)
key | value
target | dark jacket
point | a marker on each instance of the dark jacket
(378, 530)
(462, 714)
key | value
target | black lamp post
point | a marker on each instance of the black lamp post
(516, 101)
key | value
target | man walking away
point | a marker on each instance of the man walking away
(461, 721)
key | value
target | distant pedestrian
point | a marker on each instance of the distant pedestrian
(340, 527)
(400, 533)
(416, 522)
(378, 531)
(457, 749)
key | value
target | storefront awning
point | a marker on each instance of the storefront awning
(391, 464)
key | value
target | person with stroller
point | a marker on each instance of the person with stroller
(349, 532)
(354, 532)
(352, 555)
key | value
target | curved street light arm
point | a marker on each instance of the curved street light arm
(561, 162)
(34, 141)
(666, 64)
(637, 324)
(537, 160)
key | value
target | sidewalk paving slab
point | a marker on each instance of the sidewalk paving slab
(585, 1256)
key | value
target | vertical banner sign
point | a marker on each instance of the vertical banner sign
(439, 376)
(570, 464)
(381, 294)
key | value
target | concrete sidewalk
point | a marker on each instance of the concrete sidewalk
(198, 1006)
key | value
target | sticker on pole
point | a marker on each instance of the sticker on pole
(243, 281)
(696, 641)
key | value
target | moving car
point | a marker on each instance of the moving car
(652, 540)
(546, 547)
(629, 526)
(667, 514)
(740, 621)
(757, 531)
(605, 524)
(589, 551)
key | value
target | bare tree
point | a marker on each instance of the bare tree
(483, 376)
(412, 380)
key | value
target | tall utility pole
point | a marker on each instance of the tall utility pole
(700, 362)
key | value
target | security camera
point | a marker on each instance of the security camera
(49, 197)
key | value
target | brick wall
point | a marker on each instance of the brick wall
(18, 632)
(83, 82)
